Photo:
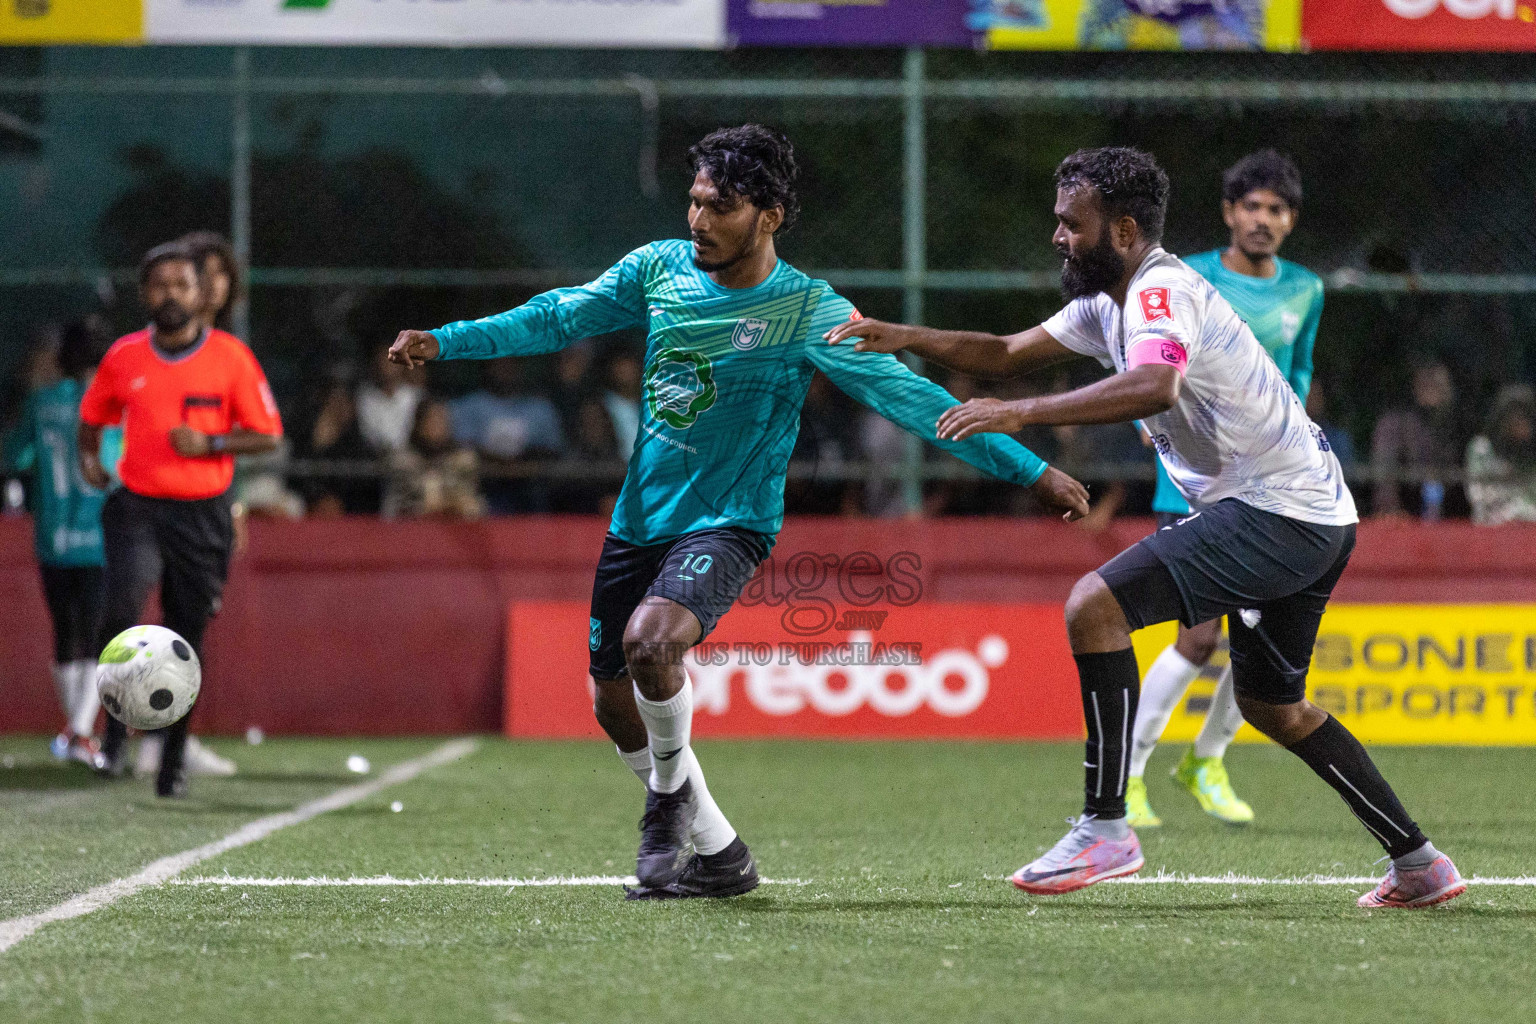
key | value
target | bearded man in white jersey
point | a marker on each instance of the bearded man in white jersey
(1272, 528)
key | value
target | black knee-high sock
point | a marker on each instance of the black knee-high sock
(1111, 686)
(1333, 752)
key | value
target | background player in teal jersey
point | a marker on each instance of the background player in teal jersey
(66, 531)
(734, 336)
(1282, 302)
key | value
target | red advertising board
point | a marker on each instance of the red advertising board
(1419, 24)
(956, 671)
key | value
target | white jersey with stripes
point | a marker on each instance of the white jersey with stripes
(1237, 430)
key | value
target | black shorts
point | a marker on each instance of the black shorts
(1271, 574)
(74, 594)
(703, 571)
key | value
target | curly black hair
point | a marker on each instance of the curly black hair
(753, 162)
(203, 244)
(1128, 181)
(1268, 168)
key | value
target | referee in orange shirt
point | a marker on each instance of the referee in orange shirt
(190, 399)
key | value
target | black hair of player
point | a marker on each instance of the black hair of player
(1269, 169)
(753, 162)
(82, 343)
(1129, 183)
(165, 252)
(203, 244)
(1266, 169)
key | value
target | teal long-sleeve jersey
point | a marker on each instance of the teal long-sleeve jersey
(1283, 312)
(726, 371)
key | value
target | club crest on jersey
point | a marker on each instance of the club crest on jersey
(1154, 305)
(749, 334)
(679, 385)
(1290, 325)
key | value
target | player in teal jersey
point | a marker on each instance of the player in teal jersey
(1281, 302)
(734, 337)
(66, 532)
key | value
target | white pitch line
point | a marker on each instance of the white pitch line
(391, 880)
(166, 868)
(1234, 879)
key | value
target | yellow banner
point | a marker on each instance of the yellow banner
(29, 22)
(1119, 25)
(1456, 674)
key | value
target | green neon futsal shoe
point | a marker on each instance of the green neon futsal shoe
(1206, 779)
(1138, 812)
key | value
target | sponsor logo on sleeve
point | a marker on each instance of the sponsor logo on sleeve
(1154, 305)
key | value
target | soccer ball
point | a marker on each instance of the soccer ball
(148, 677)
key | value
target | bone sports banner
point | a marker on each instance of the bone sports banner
(39, 22)
(849, 23)
(1420, 24)
(1409, 674)
(1138, 24)
(573, 23)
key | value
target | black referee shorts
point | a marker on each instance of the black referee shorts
(1272, 575)
(703, 571)
(184, 546)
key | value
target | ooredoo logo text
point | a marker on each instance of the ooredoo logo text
(1468, 9)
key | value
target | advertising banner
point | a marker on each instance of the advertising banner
(1420, 24)
(41, 22)
(1138, 24)
(574, 23)
(1443, 674)
(848, 23)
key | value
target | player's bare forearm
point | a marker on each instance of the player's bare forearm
(972, 352)
(1133, 395)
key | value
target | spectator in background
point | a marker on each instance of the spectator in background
(1423, 438)
(594, 447)
(1501, 461)
(625, 377)
(433, 475)
(509, 429)
(1339, 438)
(332, 434)
(219, 268)
(573, 383)
(825, 444)
(386, 403)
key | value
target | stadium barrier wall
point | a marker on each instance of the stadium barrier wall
(359, 626)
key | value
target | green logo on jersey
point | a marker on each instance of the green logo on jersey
(679, 385)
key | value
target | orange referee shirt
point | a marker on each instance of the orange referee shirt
(213, 387)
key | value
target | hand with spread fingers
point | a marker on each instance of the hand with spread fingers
(981, 416)
(872, 335)
(1055, 489)
(413, 348)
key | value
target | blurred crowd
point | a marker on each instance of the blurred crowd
(553, 435)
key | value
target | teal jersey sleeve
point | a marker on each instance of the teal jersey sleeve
(1306, 338)
(555, 319)
(912, 402)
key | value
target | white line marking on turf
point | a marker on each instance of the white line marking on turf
(391, 880)
(166, 868)
(1164, 878)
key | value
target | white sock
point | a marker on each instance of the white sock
(64, 686)
(1221, 722)
(87, 700)
(711, 831)
(668, 724)
(1167, 679)
(637, 761)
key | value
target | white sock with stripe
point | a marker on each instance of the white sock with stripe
(1167, 679)
(668, 724)
(1222, 720)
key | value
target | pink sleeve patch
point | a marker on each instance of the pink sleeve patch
(1157, 352)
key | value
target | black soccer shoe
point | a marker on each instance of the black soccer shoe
(171, 785)
(730, 872)
(664, 843)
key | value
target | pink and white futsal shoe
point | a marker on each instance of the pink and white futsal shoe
(1423, 887)
(1078, 860)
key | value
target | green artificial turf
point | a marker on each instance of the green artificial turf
(903, 914)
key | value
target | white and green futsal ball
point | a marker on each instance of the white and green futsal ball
(149, 677)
